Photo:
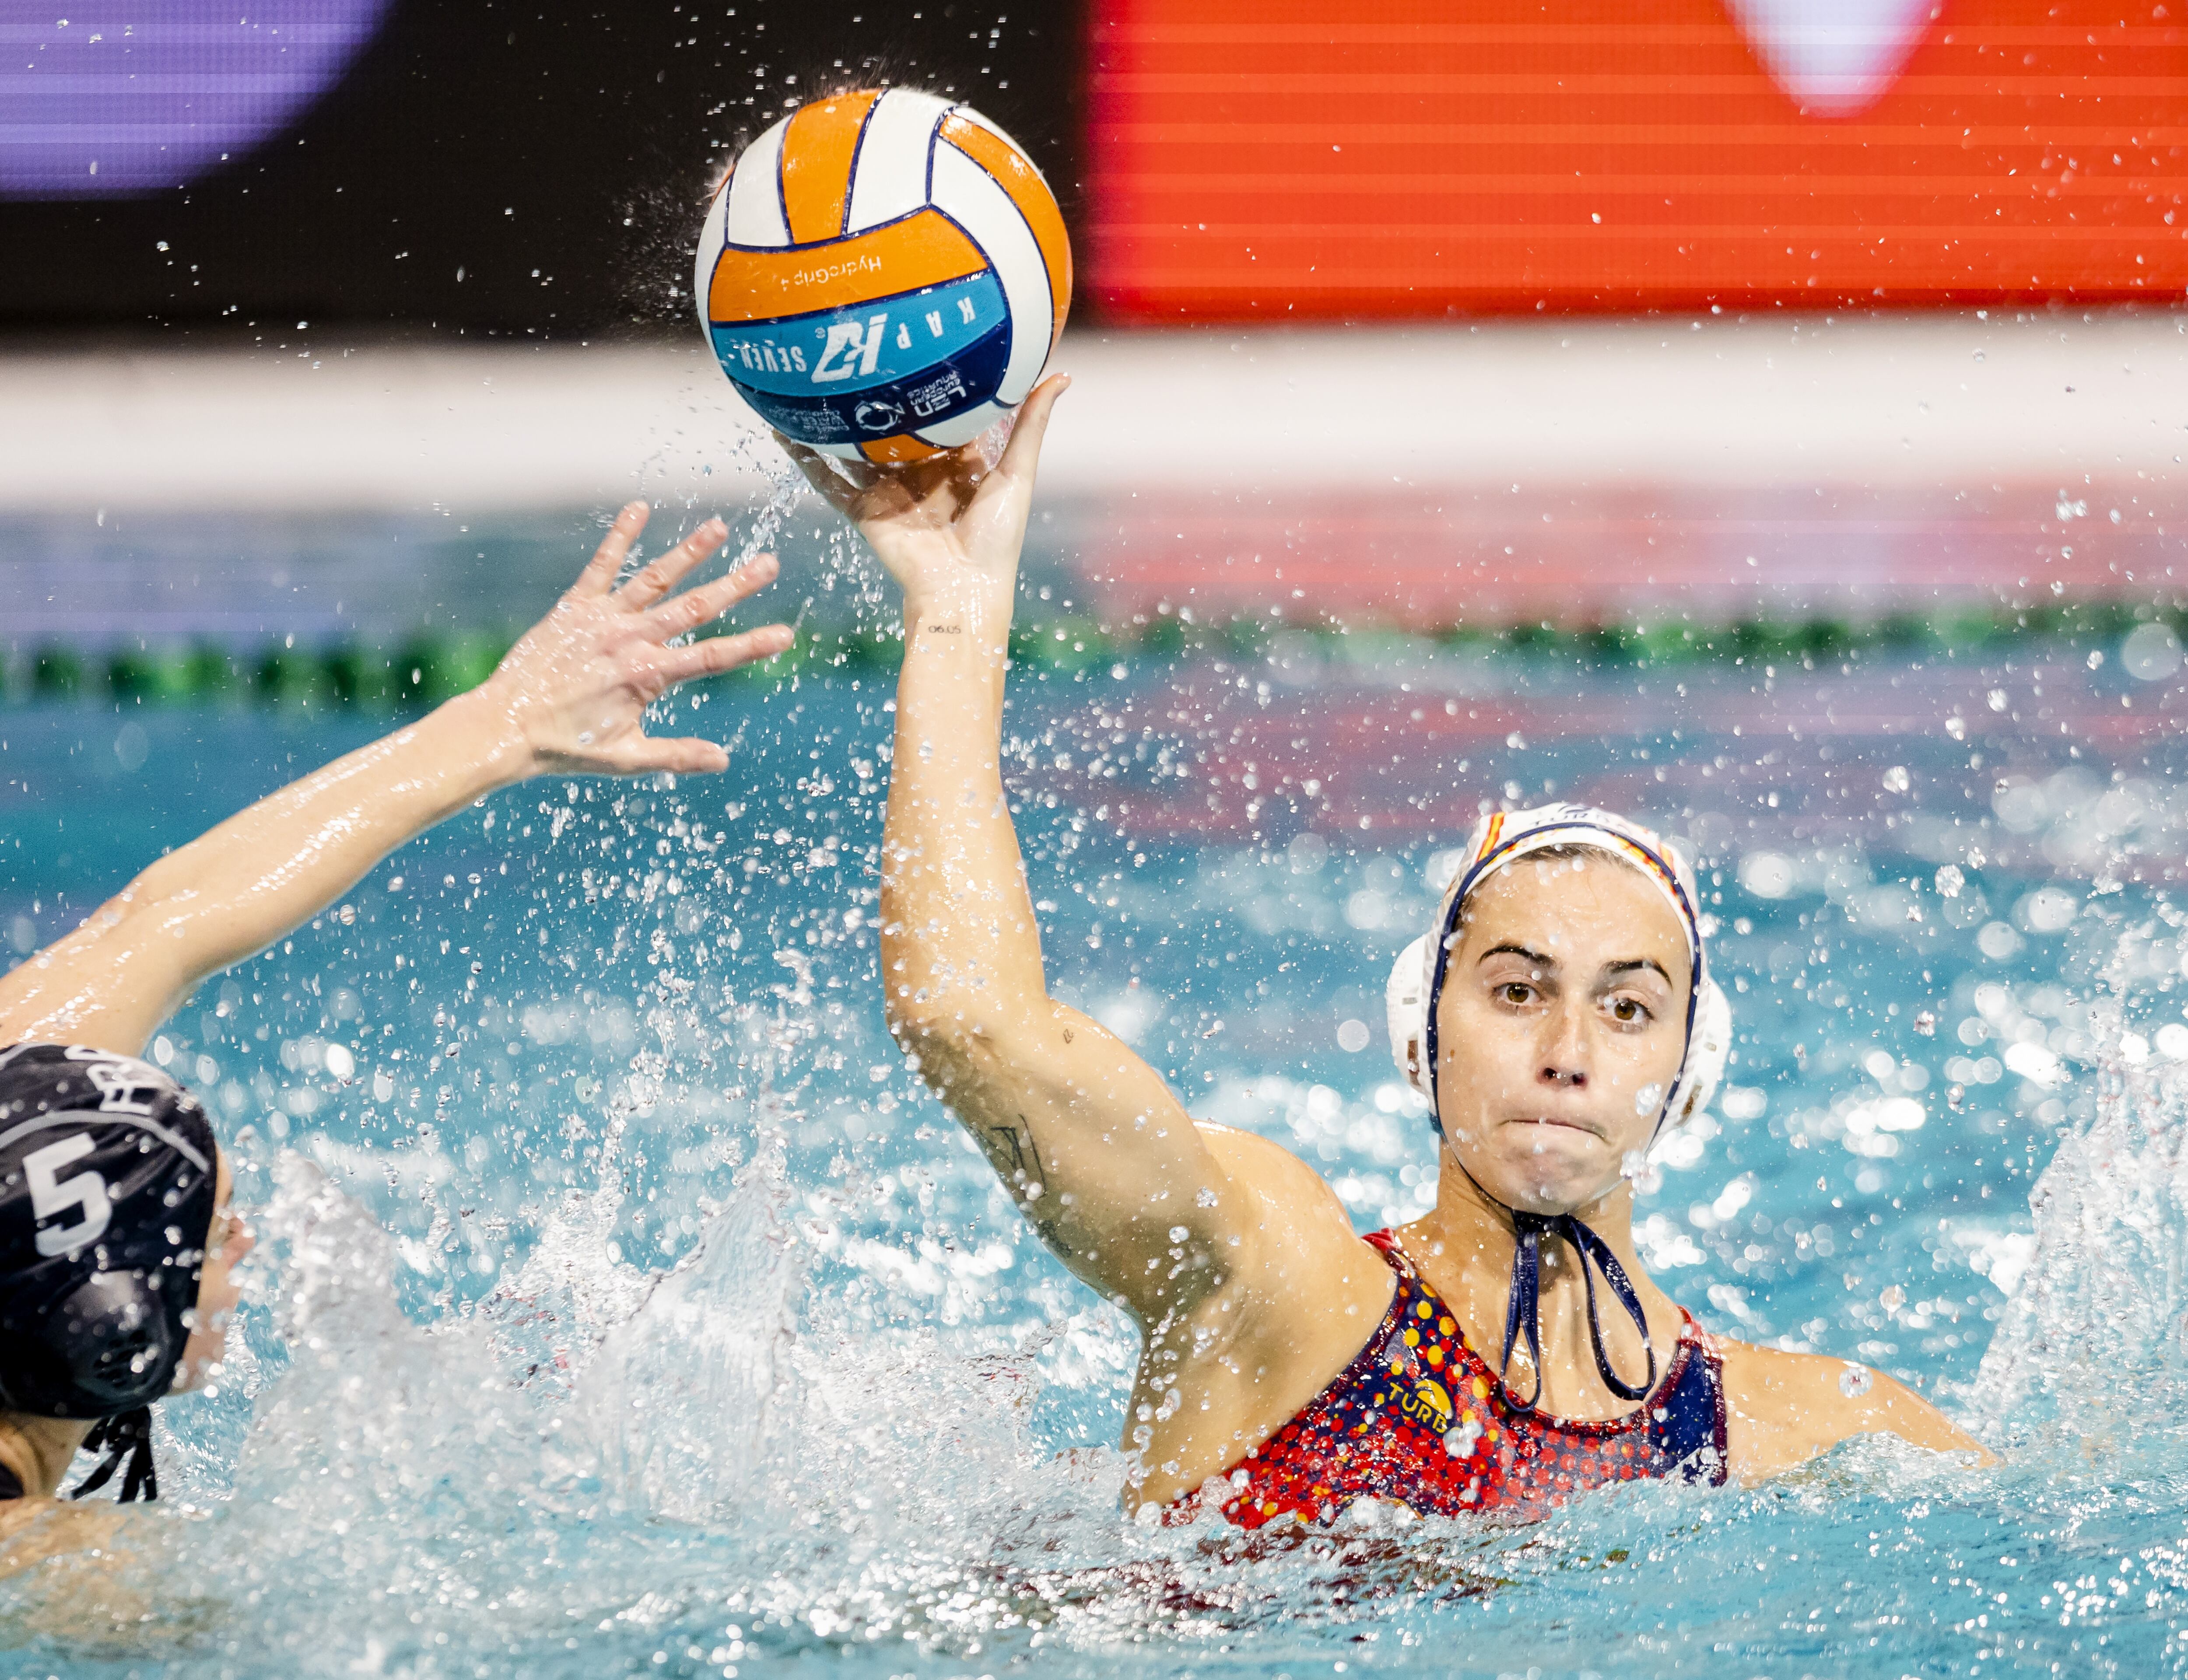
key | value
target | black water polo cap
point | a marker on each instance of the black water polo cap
(107, 1180)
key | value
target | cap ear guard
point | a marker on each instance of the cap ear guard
(110, 1345)
(121, 1342)
(1405, 1008)
(1708, 1051)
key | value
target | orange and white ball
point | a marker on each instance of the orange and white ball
(884, 274)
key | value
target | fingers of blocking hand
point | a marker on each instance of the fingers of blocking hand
(607, 559)
(708, 601)
(683, 756)
(656, 579)
(718, 654)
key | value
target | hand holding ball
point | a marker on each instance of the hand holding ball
(883, 275)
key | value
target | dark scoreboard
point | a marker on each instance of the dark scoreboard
(534, 169)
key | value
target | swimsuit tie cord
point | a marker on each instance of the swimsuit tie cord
(1525, 1312)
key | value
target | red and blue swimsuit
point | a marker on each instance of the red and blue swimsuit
(1418, 1419)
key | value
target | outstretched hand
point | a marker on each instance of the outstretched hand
(577, 686)
(950, 520)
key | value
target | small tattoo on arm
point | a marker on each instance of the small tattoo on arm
(1067, 1035)
(1011, 1151)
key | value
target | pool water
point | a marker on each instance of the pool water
(623, 1306)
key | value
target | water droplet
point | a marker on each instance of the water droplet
(1648, 1099)
(1855, 1381)
(1925, 1023)
(1892, 1298)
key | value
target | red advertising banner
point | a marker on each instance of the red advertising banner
(1301, 159)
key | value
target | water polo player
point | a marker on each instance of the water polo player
(1502, 1352)
(116, 1237)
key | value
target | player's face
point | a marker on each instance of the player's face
(227, 1243)
(1560, 1027)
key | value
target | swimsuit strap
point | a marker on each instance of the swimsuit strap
(1525, 1312)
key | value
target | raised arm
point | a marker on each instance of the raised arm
(1099, 1155)
(570, 697)
(1200, 1232)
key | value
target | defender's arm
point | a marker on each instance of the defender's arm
(571, 697)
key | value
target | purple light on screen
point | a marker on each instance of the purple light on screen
(98, 106)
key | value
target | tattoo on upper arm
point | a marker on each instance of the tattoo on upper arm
(1011, 1150)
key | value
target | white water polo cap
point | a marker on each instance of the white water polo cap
(1417, 978)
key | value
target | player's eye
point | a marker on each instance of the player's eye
(1516, 992)
(1629, 1010)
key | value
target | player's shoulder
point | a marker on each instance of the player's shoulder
(1291, 1210)
(1774, 1370)
(1773, 1381)
(1278, 1177)
(1311, 1282)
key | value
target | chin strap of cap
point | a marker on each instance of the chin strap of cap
(1525, 1311)
(127, 1436)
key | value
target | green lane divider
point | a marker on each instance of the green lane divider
(423, 670)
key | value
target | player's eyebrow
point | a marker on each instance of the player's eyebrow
(1635, 963)
(1509, 949)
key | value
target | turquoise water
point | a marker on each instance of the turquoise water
(624, 1308)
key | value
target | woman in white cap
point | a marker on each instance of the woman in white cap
(1559, 1016)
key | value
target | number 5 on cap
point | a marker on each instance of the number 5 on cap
(50, 1199)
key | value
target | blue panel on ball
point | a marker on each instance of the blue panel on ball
(883, 368)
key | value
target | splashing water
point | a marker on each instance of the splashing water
(624, 1307)
(2096, 1332)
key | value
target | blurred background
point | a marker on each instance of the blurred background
(1818, 311)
